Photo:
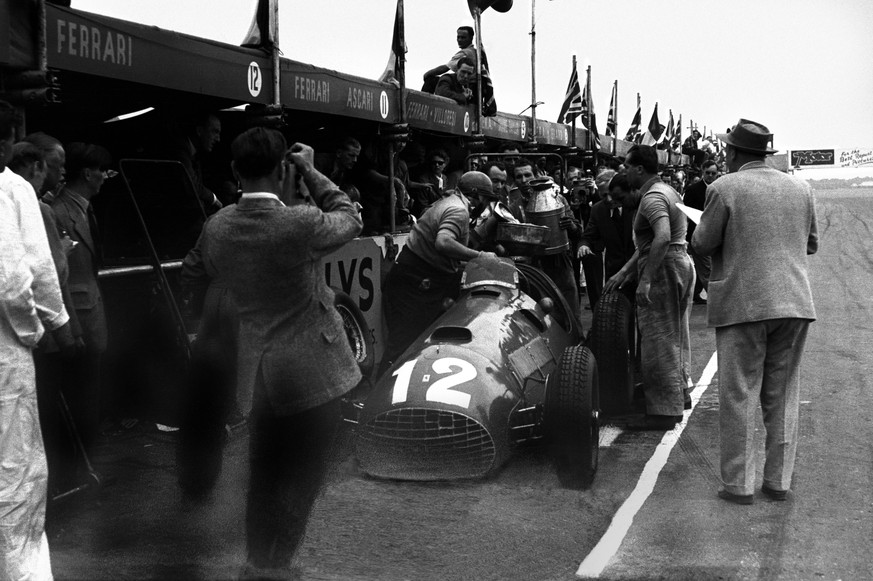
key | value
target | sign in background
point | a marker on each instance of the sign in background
(856, 157)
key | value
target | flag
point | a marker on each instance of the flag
(655, 129)
(395, 70)
(633, 134)
(264, 30)
(668, 133)
(611, 125)
(676, 142)
(588, 111)
(572, 106)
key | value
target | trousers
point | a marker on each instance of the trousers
(759, 363)
(665, 333)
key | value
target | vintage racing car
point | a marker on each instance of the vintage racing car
(503, 365)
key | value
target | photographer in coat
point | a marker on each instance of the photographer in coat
(294, 359)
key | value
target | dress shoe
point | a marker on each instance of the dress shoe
(654, 423)
(736, 498)
(774, 494)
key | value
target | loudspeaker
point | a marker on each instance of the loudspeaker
(483, 5)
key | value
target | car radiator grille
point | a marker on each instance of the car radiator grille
(424, 444)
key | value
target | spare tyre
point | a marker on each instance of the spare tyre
(358, 332)
(612, 340)
(572, 418)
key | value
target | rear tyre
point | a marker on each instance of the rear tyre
(612, 341)
(572, 418)
(358, 332)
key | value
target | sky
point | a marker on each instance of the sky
(803, 68)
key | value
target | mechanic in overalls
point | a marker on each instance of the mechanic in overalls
(428, 269)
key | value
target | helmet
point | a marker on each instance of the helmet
(476, 183)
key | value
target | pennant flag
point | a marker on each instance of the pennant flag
(668, 133)
(611, 125)
(263, 31)
(572, 106)
(395, 71)
(588, 111)
(633, 134)
(655, 129)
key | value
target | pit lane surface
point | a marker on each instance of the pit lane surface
(521, 524)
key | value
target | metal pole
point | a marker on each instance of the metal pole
(477, 23)
(274, 33)
(533, 70)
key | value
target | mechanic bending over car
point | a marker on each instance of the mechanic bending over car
(428, 269)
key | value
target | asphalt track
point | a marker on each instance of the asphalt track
(520, 524)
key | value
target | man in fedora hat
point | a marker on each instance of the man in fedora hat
(758, 225)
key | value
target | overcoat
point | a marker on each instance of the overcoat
(755, 276)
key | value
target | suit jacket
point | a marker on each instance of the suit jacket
(758, 225)
(601, 233)
(291, 338)
(83, 260)
(449, 86)
(695, 197)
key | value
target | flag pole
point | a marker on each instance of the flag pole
(588, 114)
(533, 71)
(615, 120)
(573, 121)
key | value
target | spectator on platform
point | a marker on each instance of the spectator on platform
(467, 51)
(457, 85)
(691, 148)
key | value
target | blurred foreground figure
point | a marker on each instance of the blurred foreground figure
(758, 225)
(27, 284)
(294, 359)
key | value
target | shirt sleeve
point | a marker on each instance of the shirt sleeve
(17, 305)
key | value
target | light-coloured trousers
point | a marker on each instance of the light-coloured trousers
(664, 333)
(759, 362)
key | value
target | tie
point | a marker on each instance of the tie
(616, 218)
(95, 236)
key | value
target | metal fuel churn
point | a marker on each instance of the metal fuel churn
(545, 208)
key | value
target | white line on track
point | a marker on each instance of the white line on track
(609, 543)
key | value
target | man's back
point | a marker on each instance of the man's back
(270, 256)
(759, 225)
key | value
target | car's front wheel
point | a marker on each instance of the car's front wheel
(572, 417)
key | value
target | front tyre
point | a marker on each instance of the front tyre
(572, 418)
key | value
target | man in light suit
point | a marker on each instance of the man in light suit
(758, 225)
(294, 359)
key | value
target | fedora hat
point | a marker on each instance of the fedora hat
(749, 136)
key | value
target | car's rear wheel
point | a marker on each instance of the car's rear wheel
(572, 418)
(612, 341)
(358, 332)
